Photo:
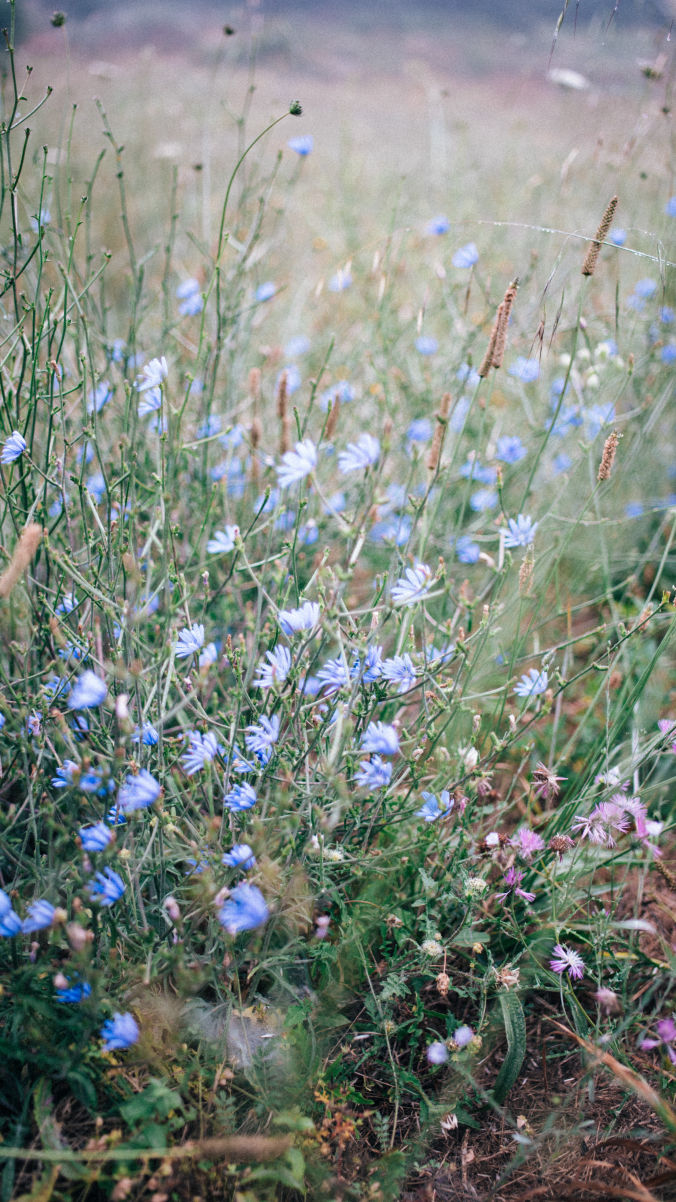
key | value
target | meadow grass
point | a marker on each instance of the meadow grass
(338, 725)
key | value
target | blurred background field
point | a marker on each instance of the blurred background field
(449, 154)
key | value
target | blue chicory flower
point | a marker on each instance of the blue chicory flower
(40, 916)
(13, 447)
(107, 887)
(303, 145)
(203, 748)
(240, 797)
(88, 692)
(95, 838)
(466, 256)
(119, 1032)
(223, 541)
(374, 773)
(380, 737)
(413, 586)
(532, 683)
(399, 670)
(239, 856)
(297, 464)
(359, 455)
(245, 909)
(189, 641)
(293, 621)
(521, 531)
(276, 670)
(138, 792)
(261, 736)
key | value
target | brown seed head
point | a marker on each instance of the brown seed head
(591, 257)
(608, 456)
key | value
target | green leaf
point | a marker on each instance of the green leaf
(515, 1030)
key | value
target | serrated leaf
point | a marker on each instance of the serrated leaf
(515, 1030)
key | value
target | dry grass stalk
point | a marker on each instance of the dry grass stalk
(255, 384)
(24, 552)
(526, 572)
(439, 433)
(283, 413)
(332, 420)
(608, 456)
(497, 342)
(593, 250)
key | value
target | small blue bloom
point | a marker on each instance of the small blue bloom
(40, 916)
(561, 463)
(99, 397)
(150, 402)
(341, 391)
(532, 683)
(244, 910)
(203, 749)
(483, 499)
(276, 670)
(473, 470)
(359, 455)
(67, 604)
(413, 586)
(466, 550)
(380, 737)
(466, 256)
(10, 923)
(333, 675)
(373, 665)
(398, 669)
(189, 293)
(119, 1032)
(107, 887)
(374, 774)
(634, 509)
(510, 449)
(295, 347)
(668, 353)
(152, 375)
(467, 375)
(526, 370)
(34, 723)
(266, 291)
(95, 838)
(208, 655)
(438, 225)
(64, 774)
(292, 621)
(189, 641)
(340, 281)
(146, 734)
(666, 314)
(395, 529)
(43, 218)
(426, 346)
(74, 993)
(617, 236)
(297, 464)
(439, 655)
(96, 486)
(240, 856)
(645, 288)
(88, 692)
(138, 792)
(261, 736)
(432, 809)
(13, 447)
(419, 430)
(303, 145)
(223, 541)
(293, 379)
(240, 797)
(521, 531)
(670, 207)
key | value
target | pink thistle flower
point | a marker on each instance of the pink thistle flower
(666, 1032)
(527, 842)
(567, 960)
(513, 879)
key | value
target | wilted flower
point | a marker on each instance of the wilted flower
(567, 960)
(120, 1031)
(244, 910)
(608, 1001)
(13, 447)
(545, 783)
(432, 948)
